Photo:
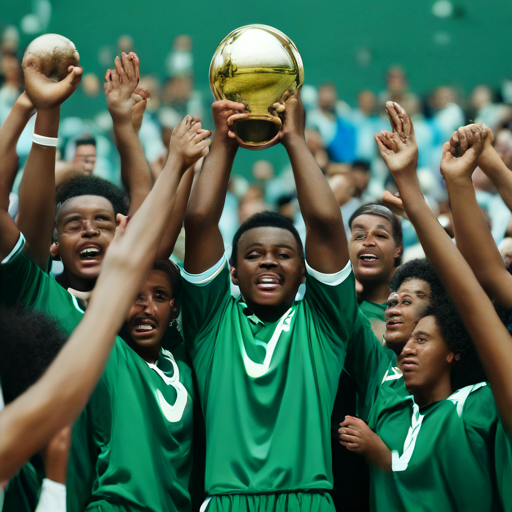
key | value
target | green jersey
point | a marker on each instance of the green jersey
(375, 313)
(22, 492)
(146, 394)
(443, 454)
(267, 388)
(21, 280)
(131, 447)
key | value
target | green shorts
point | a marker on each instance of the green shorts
(300, 501)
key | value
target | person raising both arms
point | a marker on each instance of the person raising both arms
(267, 366)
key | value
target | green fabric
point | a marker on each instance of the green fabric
(284, 502)
(375, 313)
(267, 411)
(22, 493)
(21, 280)
(451, 465)
(130, 447)
(129, 451)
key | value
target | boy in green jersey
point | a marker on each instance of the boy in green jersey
(444, 442)
(267, 366)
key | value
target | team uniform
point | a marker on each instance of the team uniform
(267, 390)
(132, 445)
(443, 454)
(133, 454)
(375, 313)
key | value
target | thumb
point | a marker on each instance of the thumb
(74, 75)
(476, 148)
(122, 222)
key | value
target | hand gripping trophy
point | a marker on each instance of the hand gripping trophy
(259, 66)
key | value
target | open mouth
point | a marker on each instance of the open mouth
(89, 253)
(393, 324)
(268, 283)
(367, 257)
(143, 326)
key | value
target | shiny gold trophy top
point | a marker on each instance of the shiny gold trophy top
(256, 65)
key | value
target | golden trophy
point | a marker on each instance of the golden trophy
(256, 65)
(51, 54)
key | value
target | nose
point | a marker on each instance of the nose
(408, 350)
(89, 228)
(392, 311)
(369, 241)
(268, 260)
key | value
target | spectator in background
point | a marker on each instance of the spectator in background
(83, 161)
(446, 111)
(360, 174)
(10, 72)
(180, 60)
(486, 110)
(330, 119)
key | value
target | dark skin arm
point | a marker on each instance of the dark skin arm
(28, 423)
(473, 237)
(37, 189)
(135, 171)
(326, 241)
(490, 337)
(356, 436)
(204, 246)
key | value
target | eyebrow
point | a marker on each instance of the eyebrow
(259, 244)
(379, 226)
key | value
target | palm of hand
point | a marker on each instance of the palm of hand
(399, 154)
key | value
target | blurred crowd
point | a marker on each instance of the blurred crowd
(340, 134)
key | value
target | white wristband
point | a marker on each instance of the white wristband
(45, 141)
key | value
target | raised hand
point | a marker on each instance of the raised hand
(225, 113)
(189, 141)
(470, 145)
(398, 149)
(294, 117)
(120, 84)
(140, 97)
(356, 436)
(45, 93)
(394, 203)
(462, 139)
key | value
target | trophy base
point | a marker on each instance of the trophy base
(257, 134)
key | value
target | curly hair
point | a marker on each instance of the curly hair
(87, 185)
(418, 269)
(468, 369)
(30, 342)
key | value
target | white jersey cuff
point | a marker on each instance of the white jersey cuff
(330, 279)
(207, 276)
(52, 497)
(19, 245)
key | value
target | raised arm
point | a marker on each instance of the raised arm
(10, 133)
(492, 340)
(473, 237)
(37, 190)
(28, 423)
(135, 172)
(490, 162)
(326, 241)
(204, 246)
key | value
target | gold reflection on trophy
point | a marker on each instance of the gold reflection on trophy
(256, 65)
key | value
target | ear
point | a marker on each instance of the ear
(234, 276)
(54, 251)
(452, 358)
(398, 251)
(174, 310)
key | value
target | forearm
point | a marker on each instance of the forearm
(37, 190)
(490, 337)
(498, 173)
(180, 207)
(380, 455)
(475, 242)
(326, 241)
(135, 172)
(209, 194)
(10, 133)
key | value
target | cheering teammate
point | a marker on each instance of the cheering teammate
(267, 367)
(441, 440)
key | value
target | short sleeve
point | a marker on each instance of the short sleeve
(367, 362)
(503, 461)
(20, 278)
(332, 300)
(204, 298)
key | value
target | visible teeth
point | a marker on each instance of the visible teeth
(144, 327)
(90, 250)
(268, 280)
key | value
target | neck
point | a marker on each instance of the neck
(375, 291)
(268, 313)
(149, 354)
(430, 394)
(81, 284)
